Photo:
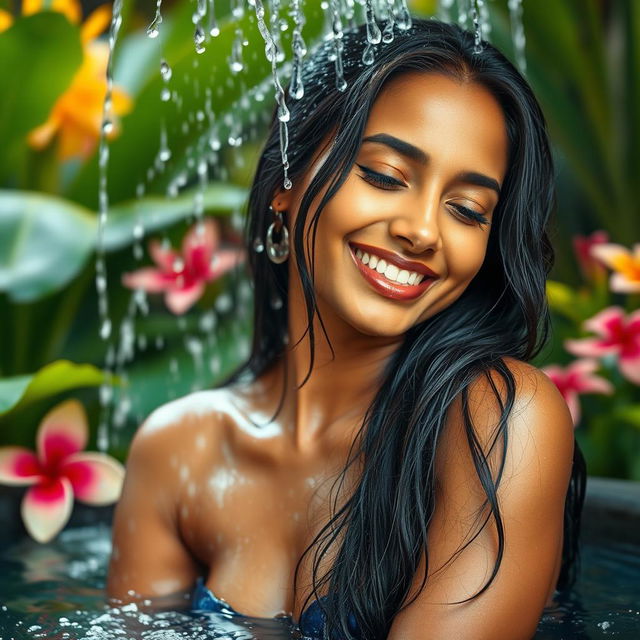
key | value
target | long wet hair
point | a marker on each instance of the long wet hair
(502, 313)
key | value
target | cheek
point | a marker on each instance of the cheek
(465, 249)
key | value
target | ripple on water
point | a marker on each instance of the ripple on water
(55, 592)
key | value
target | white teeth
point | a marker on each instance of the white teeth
(390, 271)
(403, 277)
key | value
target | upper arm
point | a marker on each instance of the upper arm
(530, 496)
(148, 555)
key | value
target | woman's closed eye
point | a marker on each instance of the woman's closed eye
(380, 179)
(388, 183)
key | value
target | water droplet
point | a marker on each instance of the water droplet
(165, 71)
(107, 127)
(105, 329)
(165, 94)
(287, 183)
(368, 55)
(164, 155)
(153, 30)
(258, 245)
(178, 265)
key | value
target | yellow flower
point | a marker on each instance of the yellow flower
(76, 117)
(624, 263)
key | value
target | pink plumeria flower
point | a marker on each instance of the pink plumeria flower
(619, 334)
(183, 277)
(59, 471)
(625, 264)
(592, 268)
(576, 379)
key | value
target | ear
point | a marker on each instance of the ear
(282, 199)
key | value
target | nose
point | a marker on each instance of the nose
(417, 227)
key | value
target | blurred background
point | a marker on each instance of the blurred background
(126, 321)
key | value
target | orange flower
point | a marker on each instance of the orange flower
(624, 263)
(76, 117)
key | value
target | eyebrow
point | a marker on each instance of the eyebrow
(414, 153)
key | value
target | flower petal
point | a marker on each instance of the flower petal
(148, 279)
(95, 24)
(613, 255)
(199, 245)
(590, 347)
(6, 20)
(96, 478)
(620, 283)
(180, 301)
(224, 260)
(19, 466)
(607, 322)
(630, 369)
(165, 258)
(46, 508)
(63, 431)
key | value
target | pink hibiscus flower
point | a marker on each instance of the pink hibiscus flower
(576, 379)
(183, 277)
(625, 264)
(592, 268)
(60, 470)
(619, 334)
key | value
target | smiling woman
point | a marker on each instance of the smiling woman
(386, 464)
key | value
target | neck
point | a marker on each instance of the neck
(341, 386)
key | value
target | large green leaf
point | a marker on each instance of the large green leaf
(55, 378)
(44, 242)
(154, 212)
(39, 55)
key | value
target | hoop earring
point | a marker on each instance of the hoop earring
(278, 252)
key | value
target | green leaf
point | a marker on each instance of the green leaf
(155, 212)
(55, 378)
(630, 414)
(40, 54)
(44, 242)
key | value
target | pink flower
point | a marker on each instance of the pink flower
(575, 379)
(592, 269)
(183, 277)
(626, 266)
(619, 334)
(59, 471)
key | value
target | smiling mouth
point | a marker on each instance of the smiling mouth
(389, 288)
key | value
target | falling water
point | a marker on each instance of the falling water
(517, 33)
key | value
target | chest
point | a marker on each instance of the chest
(249, 527)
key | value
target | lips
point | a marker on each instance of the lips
(385, 287)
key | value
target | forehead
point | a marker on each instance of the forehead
(459, 123)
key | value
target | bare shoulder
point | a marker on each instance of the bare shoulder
(189, 426)
(168, 452)
(539, 425)
(529, 458)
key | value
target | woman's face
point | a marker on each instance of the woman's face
(440, 148)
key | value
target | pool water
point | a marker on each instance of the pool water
(55, 592)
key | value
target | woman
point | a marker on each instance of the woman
(386, 464)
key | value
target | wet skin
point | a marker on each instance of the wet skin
(207, 493)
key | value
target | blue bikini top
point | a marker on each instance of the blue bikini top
(312, 620)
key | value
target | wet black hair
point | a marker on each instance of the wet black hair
(502, 314)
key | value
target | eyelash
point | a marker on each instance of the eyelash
(384, 182)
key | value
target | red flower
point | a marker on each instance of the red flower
(576, 379)
(183, 277)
